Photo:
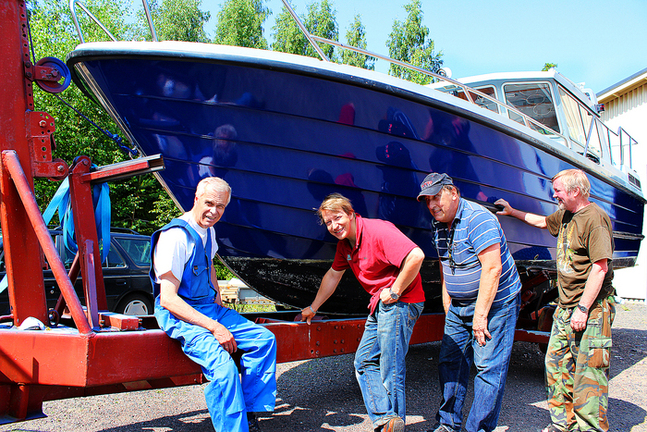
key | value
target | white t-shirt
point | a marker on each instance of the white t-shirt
(175, 246)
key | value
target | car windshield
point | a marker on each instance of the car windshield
(139, 250)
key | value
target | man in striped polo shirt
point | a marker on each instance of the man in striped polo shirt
(480, 287)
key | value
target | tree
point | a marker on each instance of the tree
(178, 20)
(548, 66)
(408, 42)
(54, 35)
(287, 36)
(240, 23)
(320, 21)
(356, 36)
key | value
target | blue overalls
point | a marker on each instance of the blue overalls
(228, 397)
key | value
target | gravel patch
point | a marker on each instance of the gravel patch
(322, 394)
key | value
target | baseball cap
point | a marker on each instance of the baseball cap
(432, 184)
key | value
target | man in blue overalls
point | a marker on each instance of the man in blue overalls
(189, 309)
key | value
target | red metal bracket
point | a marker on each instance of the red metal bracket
(46, 73)
(40, 127)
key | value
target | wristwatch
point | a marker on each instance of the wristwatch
(394, 296)
(582, 308)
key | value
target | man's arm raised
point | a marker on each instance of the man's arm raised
(529, 218)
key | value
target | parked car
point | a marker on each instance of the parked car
(125, 274)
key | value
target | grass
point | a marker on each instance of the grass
(251, 307)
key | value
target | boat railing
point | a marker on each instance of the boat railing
(620, 140)
(472, 95)
(611, 145)
(313, 39)
(74, 3)
(630, 142)
(96, 20)
(469, 92)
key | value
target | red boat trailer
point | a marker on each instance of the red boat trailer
(95, 351)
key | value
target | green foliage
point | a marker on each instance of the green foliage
(164, 210)
(320, 21)
(356, 36)
(240, 23)
(222, 272)
(178, 20)
(548, 66)
(287, 36)
(408, 42)
(54, 35)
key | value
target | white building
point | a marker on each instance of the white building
(626, 105)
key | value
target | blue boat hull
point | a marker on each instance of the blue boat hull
(286, 137)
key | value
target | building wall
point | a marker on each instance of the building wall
(628, 108)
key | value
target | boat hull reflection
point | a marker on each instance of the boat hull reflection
(285, 133)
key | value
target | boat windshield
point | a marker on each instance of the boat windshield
(478, 99)
(579, 120)
(534, 100)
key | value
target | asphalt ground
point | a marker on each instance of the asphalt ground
(322, 394)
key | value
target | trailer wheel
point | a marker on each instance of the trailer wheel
(135, 304)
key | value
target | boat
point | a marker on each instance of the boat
(285, 131)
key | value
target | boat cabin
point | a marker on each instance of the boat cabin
(552, 105)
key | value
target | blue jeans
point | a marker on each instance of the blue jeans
(379, 362)
(459, 349)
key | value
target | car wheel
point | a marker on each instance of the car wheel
(135, 304)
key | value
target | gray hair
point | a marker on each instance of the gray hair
(574, 178)
(215, 183)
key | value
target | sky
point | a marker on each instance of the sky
(598, 42)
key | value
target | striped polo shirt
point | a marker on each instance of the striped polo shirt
(473, 230)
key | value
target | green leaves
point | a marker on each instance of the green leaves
(356, 36)
(321, 21)
(408, 42)
(179, 20)
(240, 23)
(140, 203)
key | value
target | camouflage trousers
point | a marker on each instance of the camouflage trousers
(577, 369)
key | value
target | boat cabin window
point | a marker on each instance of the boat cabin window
(579, 121)
(534, 100)
(480, 100)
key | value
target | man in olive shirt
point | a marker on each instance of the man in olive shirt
(577, 359)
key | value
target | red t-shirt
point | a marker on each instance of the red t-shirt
(376, 258)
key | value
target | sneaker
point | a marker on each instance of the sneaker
(252, 422)
(395, 424)
(441, 428)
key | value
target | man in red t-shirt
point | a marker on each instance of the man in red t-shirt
(387, 264)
